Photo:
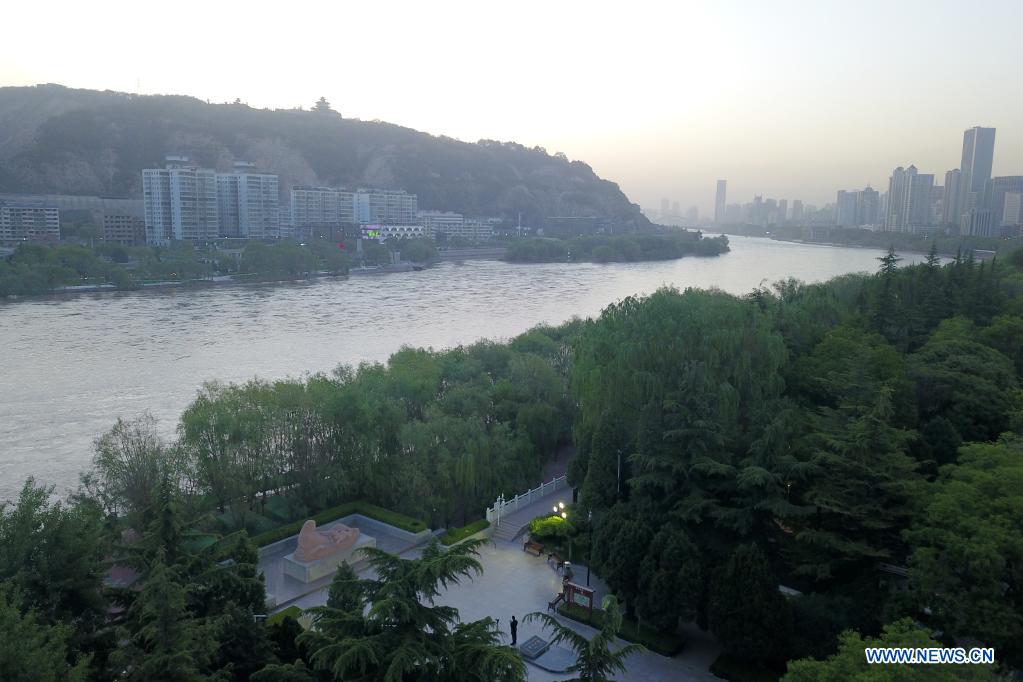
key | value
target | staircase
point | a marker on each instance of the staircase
(509, 530)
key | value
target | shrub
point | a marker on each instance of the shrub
(290, 612)
(457, 534)
(664, 643)
(548, 528)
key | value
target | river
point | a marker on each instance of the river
(71, 365)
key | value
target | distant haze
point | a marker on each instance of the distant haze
(788, 99)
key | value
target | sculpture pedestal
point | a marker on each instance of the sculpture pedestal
(308, 571)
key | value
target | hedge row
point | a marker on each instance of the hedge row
(368, 510)
(290, 612)
(663, 643)
(456, 534)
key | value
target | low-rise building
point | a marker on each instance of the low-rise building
(124, 229)
(384, 232)
(25, 221)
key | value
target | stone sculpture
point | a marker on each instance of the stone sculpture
(314, 544)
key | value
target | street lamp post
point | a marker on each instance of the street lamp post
(589, 560)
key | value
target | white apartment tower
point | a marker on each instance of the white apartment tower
(248, 203)
(180, 203)
(909, 200)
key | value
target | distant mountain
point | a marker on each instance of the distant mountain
(60, 140)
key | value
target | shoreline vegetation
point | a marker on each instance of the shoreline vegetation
(804, 435)
(625, 248)
(41, 269)
(945, 245)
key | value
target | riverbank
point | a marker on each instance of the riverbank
(983, 248)
(109, 355)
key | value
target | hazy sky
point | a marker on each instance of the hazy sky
(789, 99)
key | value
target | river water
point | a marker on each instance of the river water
(69, 366)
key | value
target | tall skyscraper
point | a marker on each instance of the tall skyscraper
(665, 208)
(719, 202)
(978, 155)
(909, 200)
(950, 212)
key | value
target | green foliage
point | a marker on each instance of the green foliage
(967, 562)
(595, 659)
(30, 650)
(660, 641)
(550, 528)
(52, 553)
(435, 436)
(850, 664)
(616, 248)
(292, 612)
(454, 535)
(746, 611)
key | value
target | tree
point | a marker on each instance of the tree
(53, 554)
(967, 560)
(746, 611)
(129, 462)
(850, 663)
(30, 650)
(670, 580)
(166, 643)
(595, 659)
(402, 634)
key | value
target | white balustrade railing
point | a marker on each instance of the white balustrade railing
(503, 507)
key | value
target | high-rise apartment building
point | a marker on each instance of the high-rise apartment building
(950, 209)
(321, 210)
(1012, 209)
(995, 191)
(857, 207)
(797, 211)
(180, 202)
(978, 156)
(248, 203)
(385, 207)
(978, 222)
(719, 202)
(909, 200)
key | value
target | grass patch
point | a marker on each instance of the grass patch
(730, 668)
(456, 534)
(664, 643)
(370, 511)
(290, 612)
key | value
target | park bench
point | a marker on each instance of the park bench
(552, 605)
(556, 560)
(532, 547)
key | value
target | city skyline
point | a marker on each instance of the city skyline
(771, 97)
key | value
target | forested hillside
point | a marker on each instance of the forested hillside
(58, 140)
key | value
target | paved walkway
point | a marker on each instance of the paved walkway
(517, 583)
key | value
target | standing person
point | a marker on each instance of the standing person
(514, 630)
